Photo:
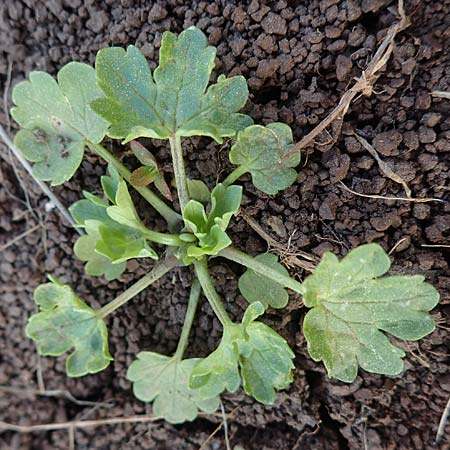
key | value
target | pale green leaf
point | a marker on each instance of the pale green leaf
(177, 102)
(110, 183)
(210, 228)
(123, 211)
(65, 323)
(261, 150)
(198, 191)
(351, 307)
(264, 358)
(56, 120)
(165, 382)
(257, 288)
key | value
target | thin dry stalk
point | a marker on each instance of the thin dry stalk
(442, 423)
(381, 197)
(441, 94)
(363, 85)
(19, 237)
(384, 167)
(290, 256)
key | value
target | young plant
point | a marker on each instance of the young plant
(353, 306)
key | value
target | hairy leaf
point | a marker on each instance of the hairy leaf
(264, 358)
(260, 150)
(164, 381)
(66, 323)
(351, 307)
(210, 228)
(56, 120)
(256, 288)
(177, 102)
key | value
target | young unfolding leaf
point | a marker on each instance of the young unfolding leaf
(56, 120)
(260, 150)
(351, 307)
(198, 191)
(176, 102)
(164, 381)
(210, 228)
(264, 357)
(108, 244)
(257, 288)
(66, 323)
(123, 211)
(110, 183)
(150, 172)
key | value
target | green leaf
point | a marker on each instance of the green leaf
(110, 183)
(164, 381)
(124, 211)
(108, 244)
(122, 244)
(198, 191)
(219, 371)
(264, 358)
(210, 228)
(260, 151)
(351, 307)
(256, 288)
(56, 120)
(66, 323)
(176, 102)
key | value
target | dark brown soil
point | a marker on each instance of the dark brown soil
(298, 56)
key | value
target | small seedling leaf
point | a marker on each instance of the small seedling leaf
(198, 191)
(56, 120)
(143, 176)
(351, 307)
(66, 323)
(175, 101)
(210, 228)
(256, 288)
(264, 358)
(165, 382)
(260, 150)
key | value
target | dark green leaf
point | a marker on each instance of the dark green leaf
(260, 151)
(351, 307)
(176, 102)
(66, 323)
(164, 381)
(56, 120)
(256, 288)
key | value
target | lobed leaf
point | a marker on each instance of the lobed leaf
(260, 151)
(210, 228)
(257, 288)
(56, 120)
(176, 102)
(108, 244)
(351, 307)
(164, 381)
(66, 323)
(264, 358)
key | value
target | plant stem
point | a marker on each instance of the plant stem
(242, 258)
(171, 217)
(160, 269)
(188, 319)
(201, 270)
(163, 238)
(233, 176)
(179, 171)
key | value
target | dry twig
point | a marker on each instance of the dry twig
(381, 197)
(363, 85)
(442, 423)
(441, 94)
